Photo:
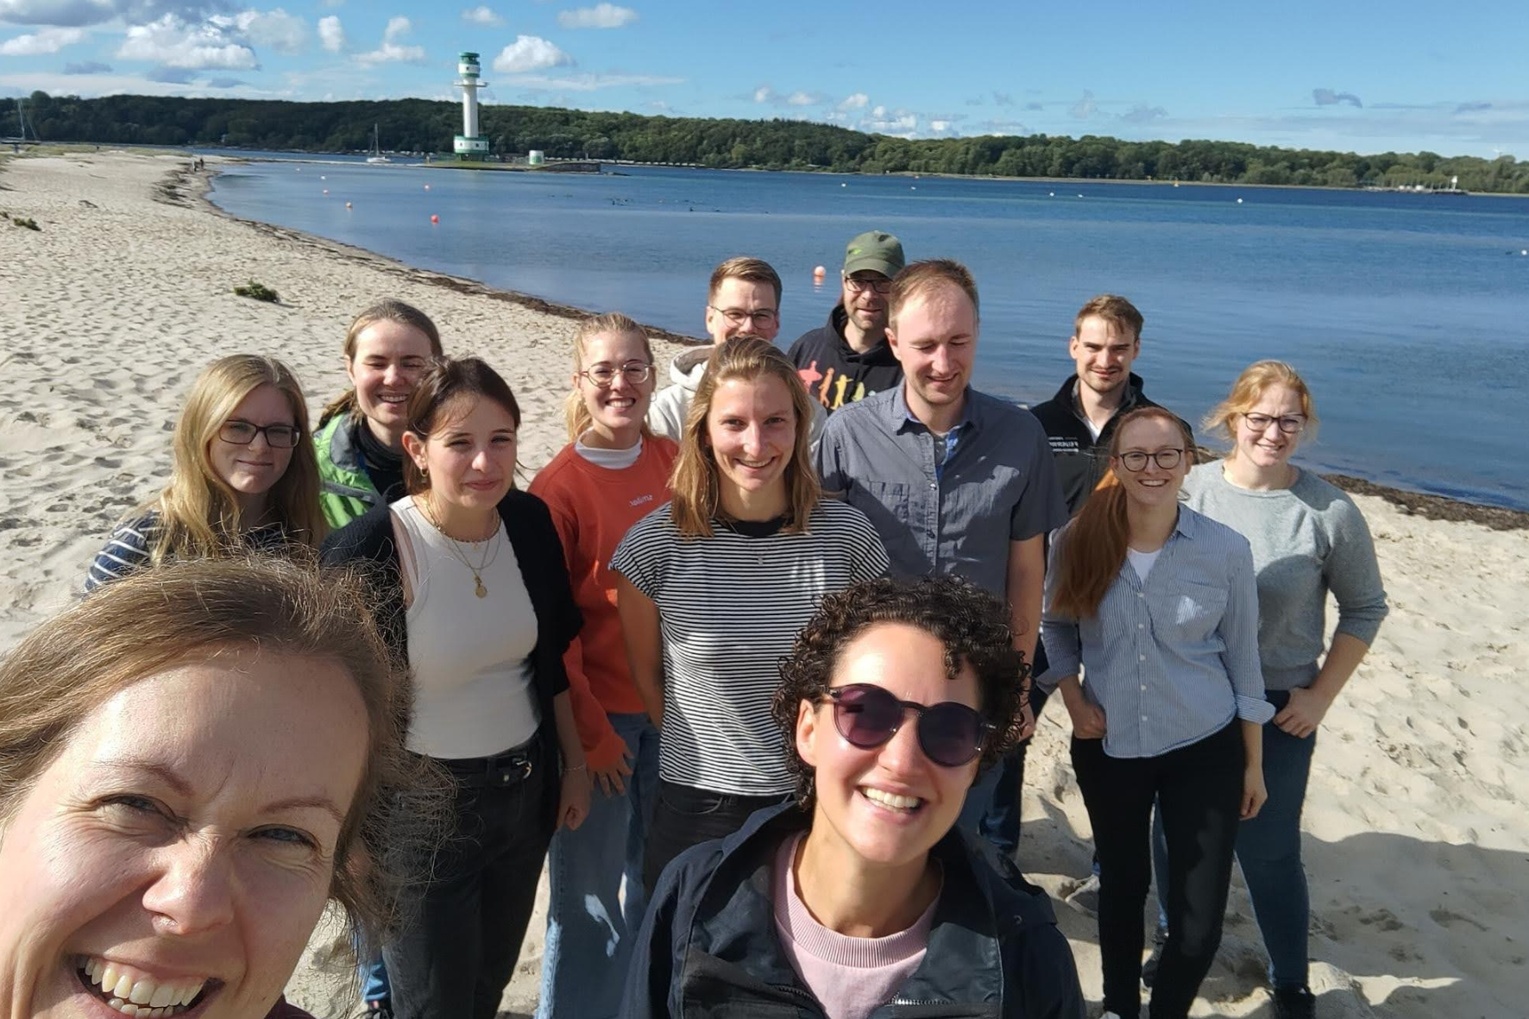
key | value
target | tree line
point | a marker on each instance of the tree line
(419, 125)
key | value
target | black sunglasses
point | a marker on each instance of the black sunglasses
(866, 715)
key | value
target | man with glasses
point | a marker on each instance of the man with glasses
(849, 359)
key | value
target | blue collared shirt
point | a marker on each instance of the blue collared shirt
(995, 482)
(1174, 658)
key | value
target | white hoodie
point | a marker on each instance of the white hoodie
(670, 407)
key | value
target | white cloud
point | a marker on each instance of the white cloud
(800, 98)
(331, 33)
(49, 40)
(530, 53)
(392, 51)
(764, 94)
(77, 13)
(1085, 107)
(858, 101)
(603, 15)
(283, 32)
(170, 41)
(482, 16)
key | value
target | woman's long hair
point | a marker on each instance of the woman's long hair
(696, 485)
(198, 512)
(1093, 547)
(575, 410)
(385, 310)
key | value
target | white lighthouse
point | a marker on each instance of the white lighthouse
(467, 144)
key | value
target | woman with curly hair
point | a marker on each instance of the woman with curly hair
(862, 894)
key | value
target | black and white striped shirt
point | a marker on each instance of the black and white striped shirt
(730, 607)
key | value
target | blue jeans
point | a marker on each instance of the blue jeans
(1269, 853)
(591, 924)
(374, 980)
(993, 804)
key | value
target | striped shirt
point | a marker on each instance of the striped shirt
(730, 607)
(1173, 658)
(131, 544)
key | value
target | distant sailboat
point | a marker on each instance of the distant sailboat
(376, 156)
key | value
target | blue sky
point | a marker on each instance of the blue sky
(1400, 75)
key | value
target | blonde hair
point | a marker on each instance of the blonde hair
(696, 486)
(575, 410)
(195, 611)
(920, 279)
(385, 310)
(198, 512)
(1255, 380)
(742, 267)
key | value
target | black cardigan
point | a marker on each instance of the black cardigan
(368, 540)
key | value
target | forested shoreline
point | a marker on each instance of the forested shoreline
(420, 125)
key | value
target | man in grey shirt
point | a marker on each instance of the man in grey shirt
(955, 481)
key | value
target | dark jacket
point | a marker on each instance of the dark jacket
(836, 373)
(539, 552)
(709, 946)
(1081, 460)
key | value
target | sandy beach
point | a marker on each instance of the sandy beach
(1417, 836)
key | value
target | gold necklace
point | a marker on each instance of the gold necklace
(489, 554)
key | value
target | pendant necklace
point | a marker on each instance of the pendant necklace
(489, 554)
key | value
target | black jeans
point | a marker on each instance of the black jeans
(684, 816)
(462, 937)
(1198, 790)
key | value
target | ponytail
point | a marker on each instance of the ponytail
(1091, 551)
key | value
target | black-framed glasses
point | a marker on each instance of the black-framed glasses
(1290, 424)
(604, 375)
(242, 433)
(738, 316)
(860, 284)
(867, 716)
(1135, 460)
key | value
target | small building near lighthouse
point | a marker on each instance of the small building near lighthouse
(469, 145)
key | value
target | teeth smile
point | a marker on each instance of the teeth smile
(891, 800)
(133, 992)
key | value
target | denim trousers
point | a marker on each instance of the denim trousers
(995, 802)
(598, 901)
(1198, 791)
(463, 930)
(1269, 853)
(685, 816)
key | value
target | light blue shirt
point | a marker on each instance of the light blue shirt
(1171, 659)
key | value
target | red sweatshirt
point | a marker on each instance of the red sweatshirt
(592, 508)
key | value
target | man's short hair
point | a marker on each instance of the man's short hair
(755, 270)
(1115, 310)
(922, 278)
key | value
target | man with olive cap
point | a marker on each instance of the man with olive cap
(848, 359)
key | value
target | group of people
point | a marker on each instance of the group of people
(749, 665)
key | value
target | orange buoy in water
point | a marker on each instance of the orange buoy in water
(818, 272)
(435, 219)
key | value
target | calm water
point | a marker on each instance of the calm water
(1409, 315)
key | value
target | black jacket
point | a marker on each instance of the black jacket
(709, 948)
(1081, 460)
(836, 373)
(368, 541)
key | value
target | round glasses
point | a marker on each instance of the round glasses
(860, 284)
(242, 433)
(604, 375)
(1136, 460)
(867, 716)
(1290, 424)
(761, 317)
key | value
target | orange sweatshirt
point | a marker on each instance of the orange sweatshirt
(592, 508)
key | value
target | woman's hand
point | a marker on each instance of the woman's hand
(612, 781)
(1303, 714)
(573, 804)
(1254, 792)
(1087, 718)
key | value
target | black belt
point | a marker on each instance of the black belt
(514, 765)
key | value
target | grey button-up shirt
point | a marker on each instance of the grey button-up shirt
(945, 506)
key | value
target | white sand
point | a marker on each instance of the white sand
(1417, 839)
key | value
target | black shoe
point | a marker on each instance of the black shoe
(1294, 1003)
(1149, 968)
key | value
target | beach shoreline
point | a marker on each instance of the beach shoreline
(1414, 830)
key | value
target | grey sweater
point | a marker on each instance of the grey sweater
(1307, 540)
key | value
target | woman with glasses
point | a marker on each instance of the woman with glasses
(1309, 540)
(861, 895)
(610, 475)
(1154, 606)
(242, 475)
(713, 588)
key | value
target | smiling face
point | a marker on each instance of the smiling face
(1152, 485)
(253, 470)
(742, 306)
(751, 427)
(616, 412)
(935, 340)
(887, 805)
(181, 845)
(469, 456)
(390, 358)
(866, 308)
(1269, 447)
(1103, 352)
